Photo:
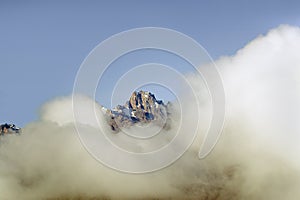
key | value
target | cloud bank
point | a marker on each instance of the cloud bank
(255, 158)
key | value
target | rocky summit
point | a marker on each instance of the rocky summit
(142, 108)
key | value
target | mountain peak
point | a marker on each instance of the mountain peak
(142, 107)
(143, 100)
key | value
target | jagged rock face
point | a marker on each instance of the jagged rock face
(142, 107)
(142, 100)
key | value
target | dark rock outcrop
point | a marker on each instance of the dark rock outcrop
(142, 107)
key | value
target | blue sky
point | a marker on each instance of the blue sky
(43, 43)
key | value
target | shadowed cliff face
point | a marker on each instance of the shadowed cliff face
(142, 108)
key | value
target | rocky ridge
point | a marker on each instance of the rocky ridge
(142, 108)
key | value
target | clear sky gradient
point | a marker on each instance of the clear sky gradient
(43, 43)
